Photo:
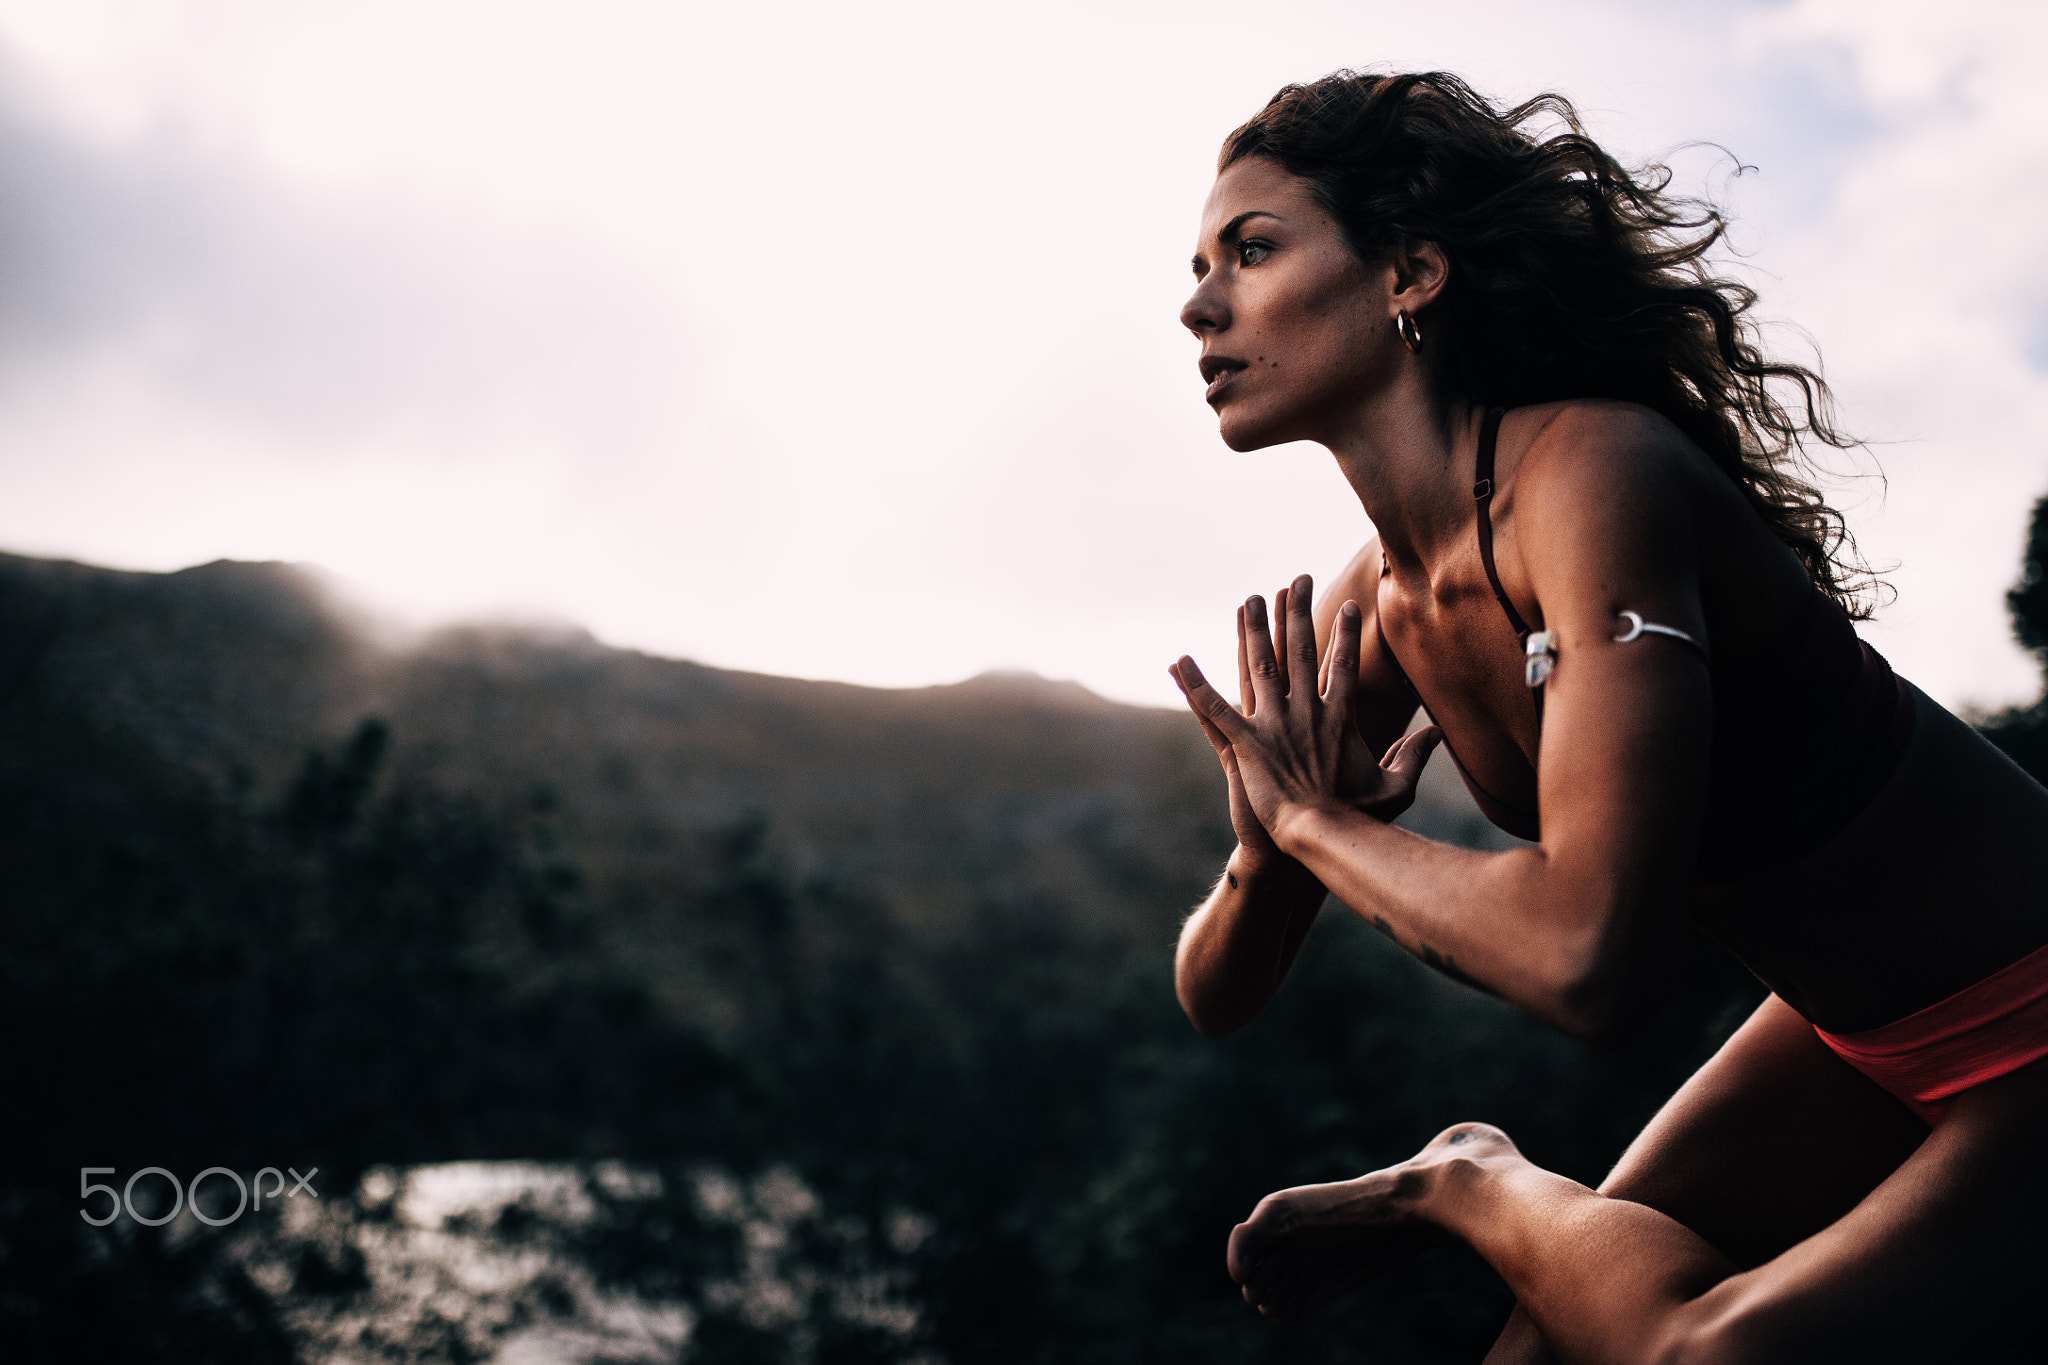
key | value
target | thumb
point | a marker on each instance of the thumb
(1217, 739)
(1407, 759)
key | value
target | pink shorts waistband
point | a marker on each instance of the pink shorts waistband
(1976, 1035)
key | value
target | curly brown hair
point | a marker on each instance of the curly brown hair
(1571, 277)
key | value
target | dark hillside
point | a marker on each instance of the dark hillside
(281, 892)
(1005, 789)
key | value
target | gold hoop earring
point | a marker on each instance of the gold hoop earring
(1411, 335)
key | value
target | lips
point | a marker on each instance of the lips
(1217, 372)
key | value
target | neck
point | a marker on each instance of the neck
(1407, 454)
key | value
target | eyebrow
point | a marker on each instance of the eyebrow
(1229, 233)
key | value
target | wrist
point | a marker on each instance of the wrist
(1294, 827)
(1267, 866)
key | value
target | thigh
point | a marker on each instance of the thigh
(1942, 1261)
(1772, 1140)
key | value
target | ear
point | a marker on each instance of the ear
(1421, 272)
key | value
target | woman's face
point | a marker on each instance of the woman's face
(1295, 329)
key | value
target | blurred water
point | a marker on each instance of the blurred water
(524, 1263)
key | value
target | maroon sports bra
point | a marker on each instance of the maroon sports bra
(1807, 730)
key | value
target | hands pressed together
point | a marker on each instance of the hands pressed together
(1293, 747)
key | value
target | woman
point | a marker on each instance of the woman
(1629, 619)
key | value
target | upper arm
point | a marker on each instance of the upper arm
(1385, 702)
(1607, 519)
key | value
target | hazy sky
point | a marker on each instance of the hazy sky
(840, 340)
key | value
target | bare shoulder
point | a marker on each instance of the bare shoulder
(1358, 581)
(1608, 477)
(1386, 702)
(1600, 456)
(1603, 492)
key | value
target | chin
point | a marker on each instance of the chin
(1244, 432)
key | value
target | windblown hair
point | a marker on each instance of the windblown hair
(1570, 277)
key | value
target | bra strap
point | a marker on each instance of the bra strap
(1482, 492)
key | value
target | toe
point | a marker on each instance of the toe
(1236, 1257)
(1259, 1286)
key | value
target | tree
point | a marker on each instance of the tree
(2022, 731)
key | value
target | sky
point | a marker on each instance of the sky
(841, 340)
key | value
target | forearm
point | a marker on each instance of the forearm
(1236, 949)
(1507, 922)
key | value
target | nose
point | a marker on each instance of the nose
(1205, 312)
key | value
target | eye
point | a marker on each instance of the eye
(1253, 251)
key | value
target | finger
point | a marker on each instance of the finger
(1298, 639)
(1207, 703)
(1217, 739)
(1393, 753)
(1407, 759)
(1323, 672)
(1267, 689)
(1342, 678)
(1234, 779)
(1245, 700)
(1280, 624)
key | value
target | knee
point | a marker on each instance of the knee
(1520, 1343)
(1707, 1332)
(1691, 1344)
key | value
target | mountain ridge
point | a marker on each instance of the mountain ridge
(936, 800)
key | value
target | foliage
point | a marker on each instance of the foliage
(365, 965)
(2022, 731)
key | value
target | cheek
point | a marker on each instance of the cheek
(1338, 309)
(1325, 322)
(1330, 347)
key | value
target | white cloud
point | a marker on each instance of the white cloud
(839, 340)
(1924, 280)
(218, 294)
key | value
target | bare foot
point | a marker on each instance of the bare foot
(1308, 1246)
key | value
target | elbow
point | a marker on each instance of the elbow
(1591, 1009)
(1215, 1029)
(1606, 1002)
(1216, 1000)
(1588, 994)
(1595, 977)
(1212, 1017)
